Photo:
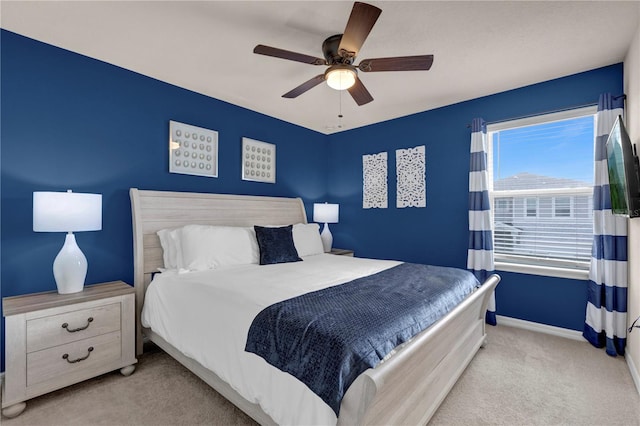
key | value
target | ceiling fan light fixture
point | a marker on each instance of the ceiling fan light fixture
(340, 77)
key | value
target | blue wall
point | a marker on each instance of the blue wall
(438, 233)
(71, 122)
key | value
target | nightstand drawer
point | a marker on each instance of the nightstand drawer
(51, 364)
(54, 330)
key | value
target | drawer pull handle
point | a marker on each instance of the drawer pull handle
(73, 330)
(73, 361)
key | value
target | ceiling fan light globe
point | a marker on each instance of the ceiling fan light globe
(340, 78)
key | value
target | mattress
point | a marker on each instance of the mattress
(206, 316)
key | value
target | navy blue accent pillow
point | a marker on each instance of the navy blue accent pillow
(276, 245)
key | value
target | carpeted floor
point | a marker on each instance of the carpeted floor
(520, 378)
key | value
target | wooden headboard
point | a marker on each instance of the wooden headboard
(152, 211)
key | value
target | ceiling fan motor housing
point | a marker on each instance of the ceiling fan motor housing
(330, 50)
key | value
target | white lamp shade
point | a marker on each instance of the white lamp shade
(66, 212)
(326, 213)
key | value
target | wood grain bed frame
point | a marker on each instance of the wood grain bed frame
(406, 389)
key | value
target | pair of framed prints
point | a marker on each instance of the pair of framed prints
(194, 151)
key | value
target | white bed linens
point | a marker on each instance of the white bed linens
(206, 315)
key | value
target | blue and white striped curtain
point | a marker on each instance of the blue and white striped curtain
(606, 317)
(480, 253)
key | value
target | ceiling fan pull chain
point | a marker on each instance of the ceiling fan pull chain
(340, 109)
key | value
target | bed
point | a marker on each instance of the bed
(406, 388)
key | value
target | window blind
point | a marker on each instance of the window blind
(541, 177)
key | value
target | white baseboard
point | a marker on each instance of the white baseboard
(540, 328)
(634, 372)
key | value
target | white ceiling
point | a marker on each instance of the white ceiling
(480, 48)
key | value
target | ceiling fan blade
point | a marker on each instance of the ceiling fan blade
(304, 87)
(361, 21)
(286, 54)
(359, 93)
(400, 63)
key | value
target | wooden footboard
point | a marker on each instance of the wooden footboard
(408, 388)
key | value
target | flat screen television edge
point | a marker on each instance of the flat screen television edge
(624, 172)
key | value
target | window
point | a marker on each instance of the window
(562, 206)
(504, 209)
(541, 184)
(531, 204)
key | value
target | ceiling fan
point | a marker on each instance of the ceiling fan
(340, 51)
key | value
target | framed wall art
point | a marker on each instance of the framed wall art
(258, 161)
(411, 190)
(374, 181)
(192, 150)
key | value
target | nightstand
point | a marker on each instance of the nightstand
(341, 252)
(55, 340)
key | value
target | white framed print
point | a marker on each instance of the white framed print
(411, 189)
(192, 150)
(258, 161)
(374, 181)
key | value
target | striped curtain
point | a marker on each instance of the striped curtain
(606, 316)
(480, 253)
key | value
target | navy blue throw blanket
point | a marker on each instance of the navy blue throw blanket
(326, 338)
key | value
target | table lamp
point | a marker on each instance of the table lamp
(68, 212)
(326, 213)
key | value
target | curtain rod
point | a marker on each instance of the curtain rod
(623, 96)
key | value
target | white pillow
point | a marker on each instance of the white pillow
(306, 237)
(171, 248)
(209, 247)
(175, 236)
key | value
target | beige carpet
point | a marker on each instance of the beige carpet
(520, 378)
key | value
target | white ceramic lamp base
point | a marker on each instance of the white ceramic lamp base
(70, 267)
(327, 238)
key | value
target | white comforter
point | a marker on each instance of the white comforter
(206, 315)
